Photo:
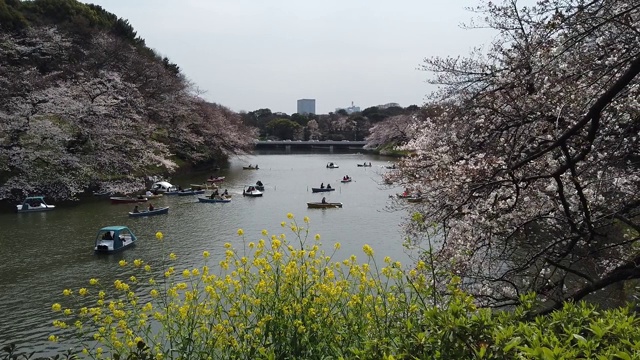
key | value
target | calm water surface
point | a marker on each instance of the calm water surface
(44, 253)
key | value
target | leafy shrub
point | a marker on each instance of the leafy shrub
(274, 300)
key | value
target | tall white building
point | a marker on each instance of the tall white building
(307, 106)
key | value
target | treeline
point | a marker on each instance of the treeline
(333, 126)
(84, 104)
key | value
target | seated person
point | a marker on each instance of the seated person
(135, 209)
(151, 207)
(324, 200)
(225, 193)
(259, 183)
(107, 236)
(328, 186)
(322, 186)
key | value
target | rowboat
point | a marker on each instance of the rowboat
(332, 165)
(156, 211)
(321, 205)
(112, 239)
(364, 165)
(190, 192)
(215, 200)
(153, 196)
(315, 190)
(126, 199)
(203, 186)
(250, 167)
(215, 179)
(345, 180)
(34, 204)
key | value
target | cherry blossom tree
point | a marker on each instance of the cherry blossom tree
(102, 113)
(530, 169)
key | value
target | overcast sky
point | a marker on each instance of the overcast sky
(252, 54)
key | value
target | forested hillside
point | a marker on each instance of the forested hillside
(84, 103)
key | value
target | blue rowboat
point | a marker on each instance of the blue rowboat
(156, 211)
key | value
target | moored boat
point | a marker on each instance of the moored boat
(156, 211)
(34, 204)
(126, 199)
(315, 190)
(321, 205)
(112, 239)
(332, 165)
(345, 180)
(250, 167)
(364, 165)
(214, 200)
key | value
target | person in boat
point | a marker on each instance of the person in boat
(151, 207)
(259, 183)
(135, 209)
(328, 186)
(179, 188)
(321, 185)
(250, 189)
(369, 163)
(324, 200)
(214, 194)
(107, 236)
(225, 193)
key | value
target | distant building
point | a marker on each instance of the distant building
(307, 106)
(388, 105)
(351, 109)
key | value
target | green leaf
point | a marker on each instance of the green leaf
(514, 342)
(623, 355)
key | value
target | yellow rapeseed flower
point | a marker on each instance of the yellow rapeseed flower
(147, 268)
(289, 216)
(265, 232)
(336, 246)
(154, 293)
(306, 219)
(122, 262)
(317, 237)
(53, 338)
(67, 292)
(240, 232)
(68, 312)
(83, 291)
(56, 307)
(205, 254)
(283, 224)
(93, 282)
(173, 256)
(137, 262)
(159, 235)
(367, 250)
(227, 245)
(186, 273)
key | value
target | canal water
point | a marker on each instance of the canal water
(44, 253)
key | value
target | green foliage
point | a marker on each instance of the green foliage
(277, 300)
(283, 128)
(10, 17)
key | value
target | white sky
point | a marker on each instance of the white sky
(252, 54)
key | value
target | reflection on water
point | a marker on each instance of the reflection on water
(44, 253)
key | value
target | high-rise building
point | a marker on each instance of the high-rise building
(307, 106)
